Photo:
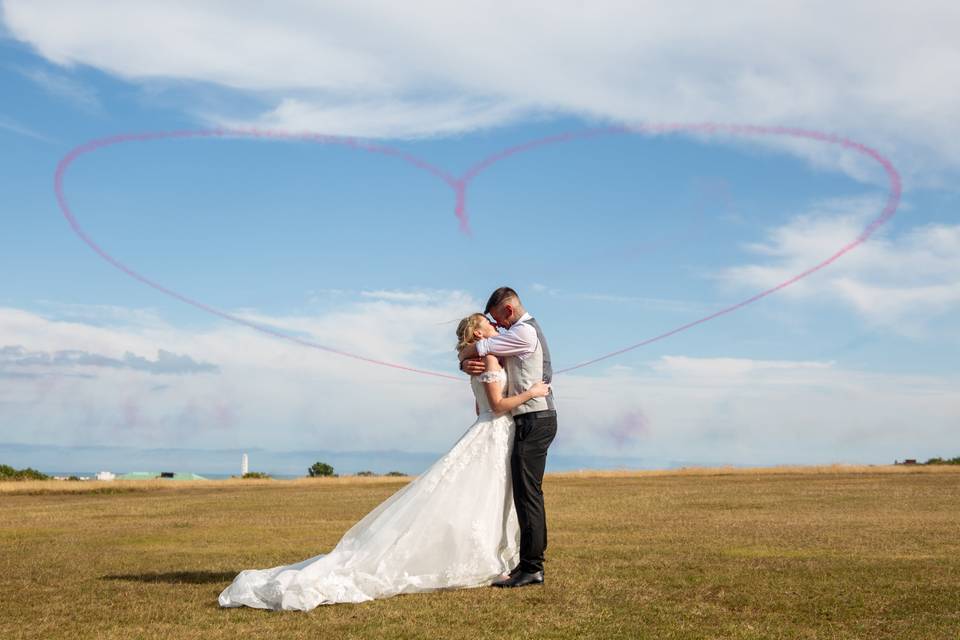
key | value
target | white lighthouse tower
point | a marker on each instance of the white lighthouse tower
(244, 465)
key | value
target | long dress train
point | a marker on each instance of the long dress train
(454, 526)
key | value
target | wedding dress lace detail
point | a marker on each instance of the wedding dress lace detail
(454, 526)
(491, 376)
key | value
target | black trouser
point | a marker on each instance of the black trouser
(534, 433)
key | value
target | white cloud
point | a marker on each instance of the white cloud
(395, 325)
(384, 117)
(729, 369)
(745, 411)
(266, 391)
(873, 71)
(273, 394)
(897, 281)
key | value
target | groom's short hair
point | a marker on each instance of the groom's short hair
(498, 296)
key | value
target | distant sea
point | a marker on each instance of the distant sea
(222, 463)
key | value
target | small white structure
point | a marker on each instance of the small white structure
(244, 465)
(106, 475)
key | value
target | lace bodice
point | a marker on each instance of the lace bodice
(479, 391)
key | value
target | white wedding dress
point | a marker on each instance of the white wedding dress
(454, 526)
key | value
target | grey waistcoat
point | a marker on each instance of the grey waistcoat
(523, 374)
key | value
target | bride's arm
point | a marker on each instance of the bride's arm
(494, 389)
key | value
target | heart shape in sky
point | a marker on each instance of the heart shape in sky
(459, 187)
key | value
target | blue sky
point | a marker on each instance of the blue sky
(610, 240)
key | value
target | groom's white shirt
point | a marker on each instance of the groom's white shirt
(519, 340)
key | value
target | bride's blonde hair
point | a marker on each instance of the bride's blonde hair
(466, 328)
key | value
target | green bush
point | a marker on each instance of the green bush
(256, 474)
(320, 469)
(366, 474)
(396, 473)
(942, 461)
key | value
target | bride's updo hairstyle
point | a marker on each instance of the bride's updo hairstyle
(466, 328)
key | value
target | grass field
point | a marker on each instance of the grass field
(792, 552)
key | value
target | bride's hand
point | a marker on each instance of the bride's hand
(539, 390)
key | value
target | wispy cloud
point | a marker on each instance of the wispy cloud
(24, 375)
(100, 314)
(425, 296)
(9, 124)
(62, 86)
(18, 356)
(643, 302)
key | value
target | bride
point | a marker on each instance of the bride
(453, 526)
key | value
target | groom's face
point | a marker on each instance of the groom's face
(503, 314)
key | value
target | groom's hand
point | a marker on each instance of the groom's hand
(473, 366)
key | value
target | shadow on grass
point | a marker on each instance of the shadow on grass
(176, 577)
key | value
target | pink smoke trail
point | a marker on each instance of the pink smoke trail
(459, 187)
(889, 209)
(105, 142)
(632, 426)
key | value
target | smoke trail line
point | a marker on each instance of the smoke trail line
(459, 187)
(104, 142)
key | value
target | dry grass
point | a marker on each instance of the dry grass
(829, 552)
(36, 487)
(751, 471)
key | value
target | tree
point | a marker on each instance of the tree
(256, 474)
(9, 473)
(396, 473)
(366, 473)
(320, 469)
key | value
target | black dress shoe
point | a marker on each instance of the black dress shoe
(520, 579)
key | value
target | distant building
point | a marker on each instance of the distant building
(106, 475)
(151, 475)
(244, 465)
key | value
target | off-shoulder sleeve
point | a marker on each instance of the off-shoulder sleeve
(492, 376)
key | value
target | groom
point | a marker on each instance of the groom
(527, 361)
